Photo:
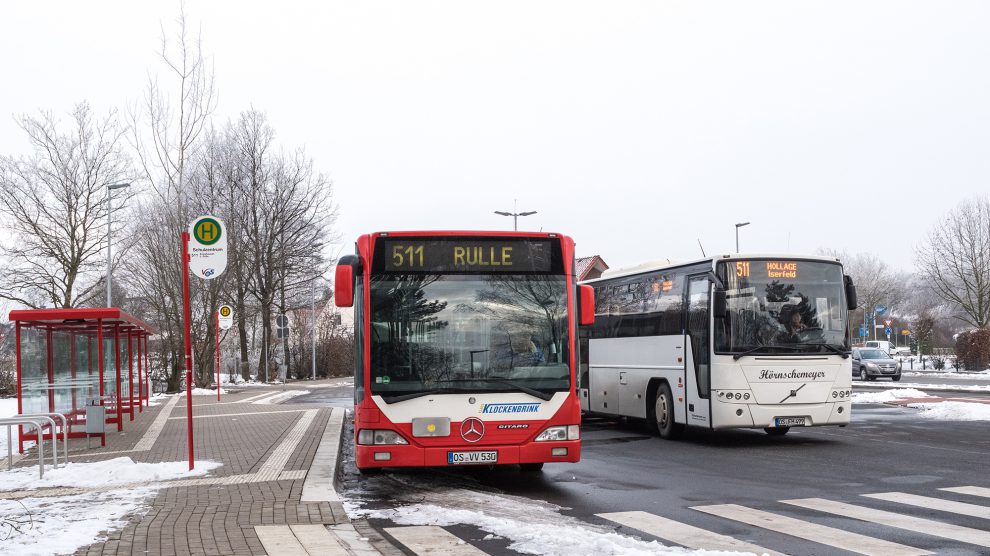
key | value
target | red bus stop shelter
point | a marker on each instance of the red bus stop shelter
(67, 358)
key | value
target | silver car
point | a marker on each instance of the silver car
(870, 363)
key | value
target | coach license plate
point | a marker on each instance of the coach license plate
(472, 458)
(789, 421)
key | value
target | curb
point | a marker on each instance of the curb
(321, 479)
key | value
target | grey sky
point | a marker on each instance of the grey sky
(635, 127)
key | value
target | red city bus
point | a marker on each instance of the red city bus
(465, 346)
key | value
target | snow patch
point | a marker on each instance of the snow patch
(281, 397)
(954, 411)
(61, 525)
(205, 391)
(888, 395)
(97, 474)
(555, 539)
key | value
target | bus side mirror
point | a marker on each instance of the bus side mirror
(851, 301)
(343, 285)
(719, 306)
(586, 304)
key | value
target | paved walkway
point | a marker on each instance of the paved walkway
(266, 444)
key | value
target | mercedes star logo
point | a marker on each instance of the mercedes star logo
(472, 429)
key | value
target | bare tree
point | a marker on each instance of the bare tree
(54, 202)
(955, 260)
(167, 133)
(876, 282)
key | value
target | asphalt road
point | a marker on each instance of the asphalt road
(624, 468)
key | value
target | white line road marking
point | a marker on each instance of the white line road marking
(318, 540)
(927, 502)
(280, 397)
(829, 536)
(682, 533)
(151, 435)
(279, 540)
(970, 490)
(900, 521)
(428, 540)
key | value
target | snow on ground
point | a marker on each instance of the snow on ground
(887, 395)
(555, 538)
(98, 474)
(950, 374)
(951, 387)
(205, 391)
(63, 524)
(530, 526)
(8, 408)
(954, 411)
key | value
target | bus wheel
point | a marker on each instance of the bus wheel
(777, 431)
(663, 412)
(531, 467)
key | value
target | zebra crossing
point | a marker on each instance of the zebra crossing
(932, 532)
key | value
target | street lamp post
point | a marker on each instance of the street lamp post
(515, 215)
(739, 225)
(110, 189)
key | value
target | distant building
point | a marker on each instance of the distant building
(589, 268)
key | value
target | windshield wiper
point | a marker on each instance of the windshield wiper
(758, 348)
(525, 389)
(833, 349)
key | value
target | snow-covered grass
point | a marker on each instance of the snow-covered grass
(949, 374)
(98, 474)
(63, 524)
(887, 395)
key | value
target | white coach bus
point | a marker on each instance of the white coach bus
(755, 341)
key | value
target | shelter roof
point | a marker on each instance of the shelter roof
(79, 318)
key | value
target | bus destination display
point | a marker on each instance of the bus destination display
(464, 255)
(775, 270)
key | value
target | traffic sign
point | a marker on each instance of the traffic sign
(881, 309)
(281, 333)
(887, 331)
(862, 331)
(207, 247)
(226, 319)
(887, 322)
(282, 321)
(905, 332)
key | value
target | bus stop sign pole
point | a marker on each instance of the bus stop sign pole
(187, 317)
(218, 352)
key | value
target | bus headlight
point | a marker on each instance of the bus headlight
(372, 437)
(569, 432)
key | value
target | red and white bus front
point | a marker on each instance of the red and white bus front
(465, 344)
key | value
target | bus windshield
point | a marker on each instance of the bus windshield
(468, 333)
(782, 306)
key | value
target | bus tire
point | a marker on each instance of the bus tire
(663, 413)
(776, 431)
(531, 467)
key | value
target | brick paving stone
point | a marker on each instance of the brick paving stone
(217, 518)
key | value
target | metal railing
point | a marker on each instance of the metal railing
(65, 431)
(38, 423)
